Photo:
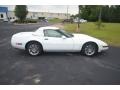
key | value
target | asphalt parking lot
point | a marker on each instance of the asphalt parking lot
(17, 67)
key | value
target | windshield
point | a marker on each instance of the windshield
(66, 33)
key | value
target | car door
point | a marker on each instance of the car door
(55, 41)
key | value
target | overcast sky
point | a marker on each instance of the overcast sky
(72, 9)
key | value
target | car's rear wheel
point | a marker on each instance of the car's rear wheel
(90, 49)
(34, 48)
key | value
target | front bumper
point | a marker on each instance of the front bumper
(103, 48)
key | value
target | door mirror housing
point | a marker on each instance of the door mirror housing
(63, 37)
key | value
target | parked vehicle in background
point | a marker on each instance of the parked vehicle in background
(81, 20)
(5, 20)
(43, 19)
(12, 20)
(67, 21)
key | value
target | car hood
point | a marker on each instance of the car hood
(83, 36)
(87, 38)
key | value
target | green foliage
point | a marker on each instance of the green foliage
(108, 13)
(55, 20)
(99, 24)
(21, 12)
(26, 21)
(89, 12)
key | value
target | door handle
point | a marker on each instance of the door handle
(46, 39)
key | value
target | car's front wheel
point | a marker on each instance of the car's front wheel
(34, 48)
(90, 49)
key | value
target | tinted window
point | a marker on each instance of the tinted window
(52, 33)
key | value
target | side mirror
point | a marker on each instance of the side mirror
(63, 37)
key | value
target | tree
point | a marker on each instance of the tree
(108, 13)
(114, 12)
(89, 12)
(85, 12)
(105, 13)
(21, 12)
(99, 22)
(78, 29)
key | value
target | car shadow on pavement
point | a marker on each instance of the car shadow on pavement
(60, 54)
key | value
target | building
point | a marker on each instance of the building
(38, 15)
(6, 15)
(3, 14)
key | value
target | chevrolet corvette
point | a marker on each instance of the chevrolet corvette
(53, 39)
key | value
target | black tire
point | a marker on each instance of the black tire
(90, 49)
(34, 48)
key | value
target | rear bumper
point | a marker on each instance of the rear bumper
(17, 44)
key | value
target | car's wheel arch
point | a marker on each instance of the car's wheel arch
(33, 41)
(90, 42)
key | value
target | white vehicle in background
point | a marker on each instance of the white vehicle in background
(12, 20)
(81, 20)
(5, 20)
(53, 39)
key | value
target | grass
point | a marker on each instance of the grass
(55, 20)
(110, 33)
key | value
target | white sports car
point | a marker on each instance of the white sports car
(53, 39)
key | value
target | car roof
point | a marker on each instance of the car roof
(48, 27)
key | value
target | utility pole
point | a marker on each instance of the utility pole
(78, 29)
(100, 17)
(100, 12)
(7, 16)
(67, 11)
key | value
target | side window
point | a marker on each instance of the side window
(52, 33)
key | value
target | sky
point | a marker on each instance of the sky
(72, 9)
